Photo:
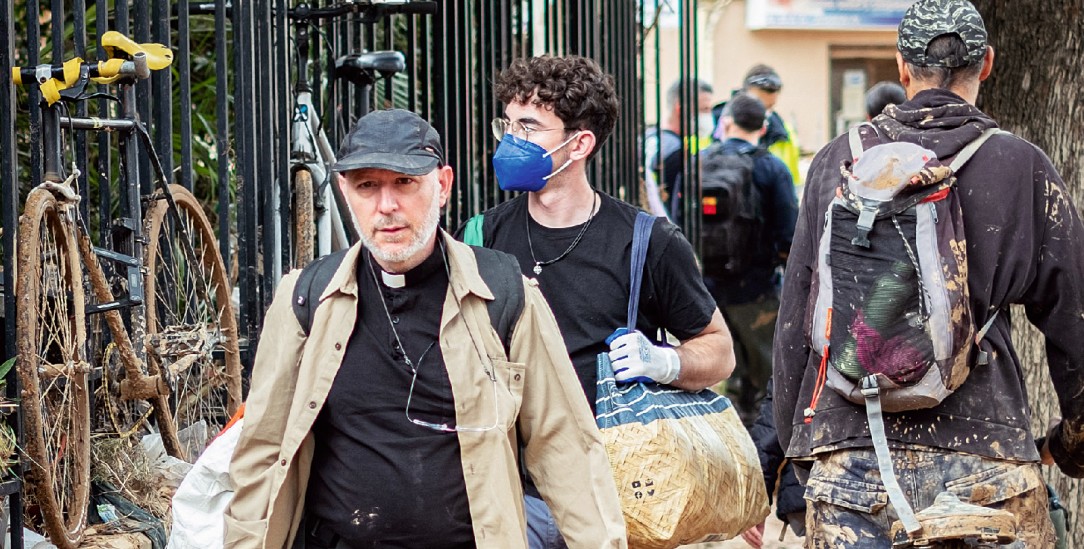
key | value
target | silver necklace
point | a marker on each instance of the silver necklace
(530, 245)
(387, 314)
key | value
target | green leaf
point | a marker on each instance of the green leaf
(6, 367)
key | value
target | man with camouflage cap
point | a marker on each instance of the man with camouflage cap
(1025, 245)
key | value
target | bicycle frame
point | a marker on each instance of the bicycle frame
(137, 383)
(310, 148)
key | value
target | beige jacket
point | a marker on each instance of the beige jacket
(538, 393)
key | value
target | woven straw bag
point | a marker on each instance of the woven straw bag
(686, 469)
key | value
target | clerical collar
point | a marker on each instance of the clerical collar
(392, 280)
(432, 264)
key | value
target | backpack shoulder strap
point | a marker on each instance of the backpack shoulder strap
(854, 138)
(501, 272)
(758, 151)
(472, 231)
(968, 151)
(312, 281)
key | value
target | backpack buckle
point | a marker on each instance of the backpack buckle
(869, 387)
(864, 226)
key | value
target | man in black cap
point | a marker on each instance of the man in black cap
(1024, 245)
(764, 83)
(395, 417)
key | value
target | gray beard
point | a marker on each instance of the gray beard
(418, 242)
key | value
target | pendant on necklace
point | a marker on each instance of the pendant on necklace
(537, 268)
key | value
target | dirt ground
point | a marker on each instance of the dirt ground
(772, 527)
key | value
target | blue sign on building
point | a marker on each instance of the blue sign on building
(825, 14)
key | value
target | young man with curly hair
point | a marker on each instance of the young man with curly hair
(576, 241)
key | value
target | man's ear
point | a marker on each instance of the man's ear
(987, 64)
(582, 145)
(901, 67)
(445, 176)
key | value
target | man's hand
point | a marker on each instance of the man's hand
(636, 359)
(754, 536)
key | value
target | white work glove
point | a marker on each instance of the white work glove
(636, 359)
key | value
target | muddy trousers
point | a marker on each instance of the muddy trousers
(848, 506)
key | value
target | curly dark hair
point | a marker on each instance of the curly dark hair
(575, 87)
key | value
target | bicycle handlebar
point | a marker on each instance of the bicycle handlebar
(70, 78)
(73, 74)
(69, 73)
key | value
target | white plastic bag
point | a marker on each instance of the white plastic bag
(199, 505)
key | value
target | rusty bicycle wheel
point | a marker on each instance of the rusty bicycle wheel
(191, 328)
(51, 335)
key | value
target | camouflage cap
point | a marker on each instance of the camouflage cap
(926, 20)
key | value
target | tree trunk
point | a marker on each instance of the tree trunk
(1033, 92)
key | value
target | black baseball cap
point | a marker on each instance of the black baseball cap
(393, 139)
(926, 20)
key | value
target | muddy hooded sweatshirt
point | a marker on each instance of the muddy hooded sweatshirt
(1025, 245)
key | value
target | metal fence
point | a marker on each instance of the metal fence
(224, 110)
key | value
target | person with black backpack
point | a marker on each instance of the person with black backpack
(747, 222)
(397, 382)
(898, 392)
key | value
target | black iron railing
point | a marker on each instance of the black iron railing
(223, 113)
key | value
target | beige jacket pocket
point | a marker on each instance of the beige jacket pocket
(245, 534)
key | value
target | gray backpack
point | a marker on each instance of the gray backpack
(889, 310)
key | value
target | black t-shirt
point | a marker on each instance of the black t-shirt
(379, 480)
(588, 290)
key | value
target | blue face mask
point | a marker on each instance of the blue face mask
(524, 166)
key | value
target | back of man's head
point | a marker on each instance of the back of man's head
(746, 112)
(883, 94)
(673, 93)
(943, 42)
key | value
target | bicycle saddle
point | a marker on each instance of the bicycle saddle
(359, 66)
(158, 56)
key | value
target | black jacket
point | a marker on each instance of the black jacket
(1025, 245)
(777, 470)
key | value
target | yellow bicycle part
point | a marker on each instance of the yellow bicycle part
(158, 56)
(144, 58)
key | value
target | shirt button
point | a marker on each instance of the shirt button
(283, 462)
(312, 405)
(338, 346)
(395, 320)
(516, 377)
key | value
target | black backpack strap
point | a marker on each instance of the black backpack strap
(312, 281)
(501, 272)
